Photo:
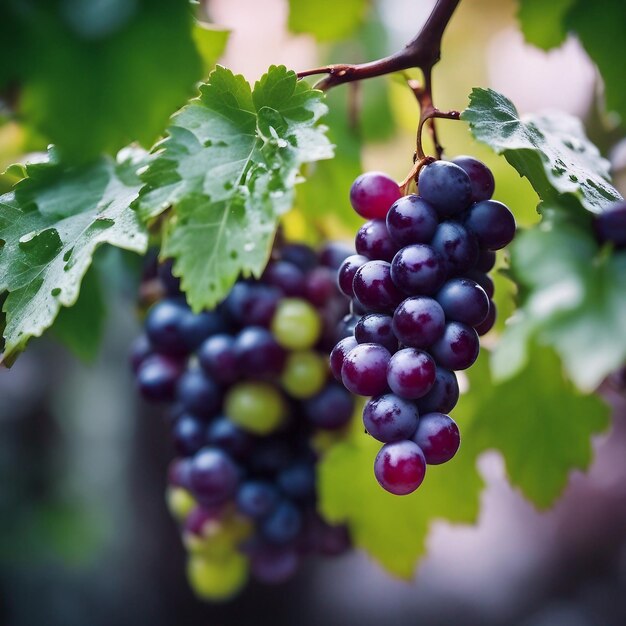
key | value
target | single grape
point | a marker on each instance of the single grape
(164, 326)
(217, 580)
(320, 286)
(481, 178)
(484, 327)
(195, 328)
(390, 418)
(157, 377)
(411, 373)
(374, 289)
(463, 300)
(283, 524)
(346, 326)
(456, 245)
(364, 370)
(610, 225)
(297, 481)
(296, 324)
(411, 220)
(188, 434)
(458, 347)
(338, 355)
(486, 261)
(438, 437)
(418, 322)
(492, 223)
(375, 328)
(301, 255)
(286, 276)
(373, 241)
(418, 269)
(218, 358)
(484, 280)
(257, 498)
(198, 394)
(258, 353)
(252, 304)
(446, 187)
(400, 467)
(347, 270)
(179, 502)
(305, 374)
(330, 409)
(274, 564)
(224, 434)
(214, 477)
(372, 193)
(255, 407)
(443, 395)
(334, 253)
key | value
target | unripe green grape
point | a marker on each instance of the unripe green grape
(180, 502)
(217, 579)
(256, 407)
(296, 324)
(304, 374)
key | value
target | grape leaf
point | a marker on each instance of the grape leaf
(228, 168)
(326, 20)
(51, 224)
(211, 43)
(96, 76)
(542, 22)
(551, 150)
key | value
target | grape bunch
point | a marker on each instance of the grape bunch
(421, 296)
(248, 388)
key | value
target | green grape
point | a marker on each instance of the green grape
(296, 324)
(256, 407)
(304, 374)
(217, 579)
(180, 502)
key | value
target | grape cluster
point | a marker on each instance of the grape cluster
(421, 296)
(248, 388)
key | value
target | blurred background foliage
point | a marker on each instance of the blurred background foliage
(82, 464)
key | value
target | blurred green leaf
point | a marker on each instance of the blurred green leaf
(211, 43)
(228, 167)
(326, 20)
(542, 22)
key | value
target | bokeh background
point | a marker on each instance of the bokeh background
(85, 537)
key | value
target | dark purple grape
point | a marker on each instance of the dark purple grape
(463, 300)
(283, 524)
(287, 277)
(257, 498)
(390, 418)
(214, 477)
(418, 269)
(456, 245)
(258, 354)
(372, 193)
(345, 275)
(164, 326)
(446, 187)
(320, 285)
(357, 309)
(297, 481)
(140, 350)
(157, 377)
(224, 434)
(484, 280)
(338, 355)
(481, 178)
(443, 395)
(218, 358)
(400, 467)
(492, 223)
(411, 373)
(411, 220)
(458, 347)
(334, 253)
(300, 255)
(364, 370)
(373, 241)
(490, 320)
(195, 328)
(486, 261)
(332, 540)
(610, 226)
(438, 437)
(330, 409)
(375, 328)
(252, 304)
(418, 322)
(274, 565)
(188, 434)
(170, 283)
(374, 289)
(198, 394)
(179, 473)
(346, 326)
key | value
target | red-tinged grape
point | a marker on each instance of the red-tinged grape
(610, 225)
(376, 328)
(492, 223)
(443, 396)
(214, 477)
(364, 369)
(400, 467)
(418, 322)
(411, 220)
(373, 241)
(347, 270)
(463, 300)
(438, 437)
(446, 187)
(390, 418)
(338, 355)
(411, 373)
(458, 347)
(374, 289)
(481, 178)
(418, 269)
(372, 194)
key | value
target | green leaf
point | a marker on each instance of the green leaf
(228, 167)
(51, 225)
(552, 151)
(542, 22)
(326, 20)
(211, 43)
(96, 76)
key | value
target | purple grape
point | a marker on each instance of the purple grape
(418, 322)
(330, 409)
(418, 269)
(463, 300)
(438, 437)
(301, 255)
(490, 320)
(375, 328)
(372, 193)
(400, 467)
(179, 473)
(481, 178)
(287, 277)
(297, 481)
(346, 326)
(492, 223)
(188, 434)
(458, 347)
(165, 324)
(195, 328)
(198, 394)
(283, 524)
(214, 477)
(443, 395)
(223, 433)
(320, 286)
(446, 187)
(201, 516)
(411, 220)
(345, 275)
(373, 241)
(483, 280)
(411, 373)
(157, 377)
(338, 355)
(274, 565)
(364, 370)
(258, 354)
(357, 309)
(374, 289)
(456, 245)
(334, 253)
(218, 358)
(333, 540)
(140, 350)
(252, 304)
(610, 226)
(486, 261)
(390, 418)
(257, 498)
